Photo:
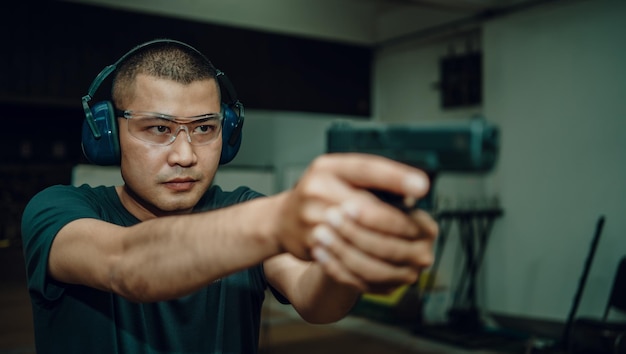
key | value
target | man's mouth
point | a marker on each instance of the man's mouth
(180, 184)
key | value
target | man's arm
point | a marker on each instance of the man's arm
(316, 297)
(167, 257)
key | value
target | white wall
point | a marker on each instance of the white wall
(555, 83)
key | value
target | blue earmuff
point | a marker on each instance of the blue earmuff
(100, 139)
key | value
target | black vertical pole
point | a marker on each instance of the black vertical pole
(581, 285)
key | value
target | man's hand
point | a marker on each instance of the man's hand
(331, 216)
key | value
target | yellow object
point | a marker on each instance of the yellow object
(388, 300)
(426, 277)
(395, 296)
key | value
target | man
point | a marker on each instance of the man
(168, 264)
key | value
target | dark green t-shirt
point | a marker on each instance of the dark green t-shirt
(224, 317)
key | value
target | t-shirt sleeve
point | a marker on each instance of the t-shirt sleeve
(45, 214)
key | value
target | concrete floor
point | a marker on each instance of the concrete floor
(285, 333)
(16, 326)
(282, 332)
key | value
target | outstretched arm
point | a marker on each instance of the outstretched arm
(358, 242)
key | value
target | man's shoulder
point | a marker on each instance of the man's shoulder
(83, 188)
(63, 191)
(70, 199)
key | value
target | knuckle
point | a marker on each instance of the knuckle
(312, 187)
(387, 248)
(433, 229)
(402, 254)
(412, 277)
(309, 215)
(423, 259)
(427, 260)
(397, 252)
(321, 163)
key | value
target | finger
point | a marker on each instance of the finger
(333, 269)
(375, 172)
(322, 190)
(367, 268)
(415, 251)
(376, 216)
(325, 190)
(418, 223)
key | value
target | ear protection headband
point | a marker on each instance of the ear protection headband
(100, 139)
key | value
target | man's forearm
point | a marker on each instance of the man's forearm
(329, 301)
(313, 294)
(169, 257)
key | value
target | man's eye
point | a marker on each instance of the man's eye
(159, 129)
(205, 128)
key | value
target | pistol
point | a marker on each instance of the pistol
(467, 146)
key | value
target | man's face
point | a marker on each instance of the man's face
(171, 179)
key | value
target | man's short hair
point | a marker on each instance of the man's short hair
(165, 60)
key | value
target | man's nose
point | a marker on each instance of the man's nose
(182, 152)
